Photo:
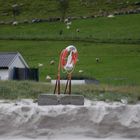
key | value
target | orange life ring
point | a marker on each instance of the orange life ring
(68, 58)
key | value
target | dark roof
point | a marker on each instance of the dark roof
(6, 58)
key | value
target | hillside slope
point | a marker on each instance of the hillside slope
(29, 9)
(42, 42)
(120, 29)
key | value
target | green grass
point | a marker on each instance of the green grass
(121, 29)
(119, 62)
(116, 41)
(49, 8)
(25, 89)
(40, 43)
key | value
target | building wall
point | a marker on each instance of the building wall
(17, 63)
(4, 74)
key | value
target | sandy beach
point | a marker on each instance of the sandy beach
(66, 138)
(25, 120)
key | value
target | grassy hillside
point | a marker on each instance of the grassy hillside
(30, 9)
(117, 29)
(114, 40)
(119, 63)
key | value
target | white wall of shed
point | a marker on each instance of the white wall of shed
(18, 63)
(4, 74)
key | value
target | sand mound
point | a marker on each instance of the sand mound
(93, 120)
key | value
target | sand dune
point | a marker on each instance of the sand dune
(25, 120)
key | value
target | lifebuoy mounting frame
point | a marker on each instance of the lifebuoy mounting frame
(67, 61)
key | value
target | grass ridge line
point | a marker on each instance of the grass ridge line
(92, 40)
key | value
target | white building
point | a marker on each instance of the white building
(9, 61)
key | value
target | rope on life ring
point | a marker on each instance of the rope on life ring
(68, 59)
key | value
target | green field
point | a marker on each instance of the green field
(119, 62)
(116, 41)
(120, 29)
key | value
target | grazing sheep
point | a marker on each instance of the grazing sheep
(77, 30)
(40, 65)
(110, 16)
(68, 27)
(97, 60)
(15, 23)
(81, 71)
(52, 62)
(48, 78)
